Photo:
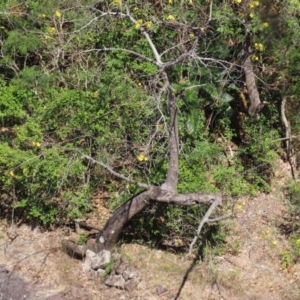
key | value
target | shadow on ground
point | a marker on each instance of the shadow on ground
(12, 287)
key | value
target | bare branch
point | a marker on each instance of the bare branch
(189, 199)
(118, 175)
(146, 35)
(221, 218)
(177, 60)
(289, 149)
(120, 49)
(204, 220)
(210, 11)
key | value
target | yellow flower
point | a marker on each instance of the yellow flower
(254, 58)
(138, 24)
(253, 4)
(171, 18)
(43, 16)
(136, 9)
(36, 144)
(11, 174)
(142, 157)
(148, 24)
(259, 47)
(57, 14)
(298, 242)
(191, 35)
(170, 1)
(265, 25)
(237, 1)
(274, 242)
(51, 29)
(117, 2)
(47, 37)
(251, 15)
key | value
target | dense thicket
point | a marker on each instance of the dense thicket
(79, 79)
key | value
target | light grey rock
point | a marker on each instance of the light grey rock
(116, 281)
(86, 266)
(101, 260)
(98, 273)
(129, 274)
(116, 256)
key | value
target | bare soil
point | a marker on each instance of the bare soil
(33, 265)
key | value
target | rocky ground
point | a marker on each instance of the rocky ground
(33, 265)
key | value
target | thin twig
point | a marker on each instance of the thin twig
(216, 202)
(108, 168)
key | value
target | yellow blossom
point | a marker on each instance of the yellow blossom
(138, 24)
(148, 24)
(274, 242)
(171, 18)
(237, 1)
(57, 14)
(259, 47)
(136, 9)
(254, 58)
(265, 25)
(11, 174)
(298, 242)
(253, 4)
(251, 15)
(117, 2)
(36, 144)
(191, 35)
(142, 157)
(170, 1)
(43, 16)
(47, 37)
(51, 29)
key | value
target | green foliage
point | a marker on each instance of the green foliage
(18, 43)
(74, 84)
(82, 239)
(286, 259)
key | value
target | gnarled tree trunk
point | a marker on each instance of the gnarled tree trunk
(167, 191)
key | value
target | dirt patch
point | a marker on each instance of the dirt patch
(34, 265)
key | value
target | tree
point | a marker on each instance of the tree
(111, 84)
(166, 192)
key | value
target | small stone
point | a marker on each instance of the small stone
(116, 281)
(98, 273)
(161, 289)
(129, 274)
(121, 268)
(131, 284)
